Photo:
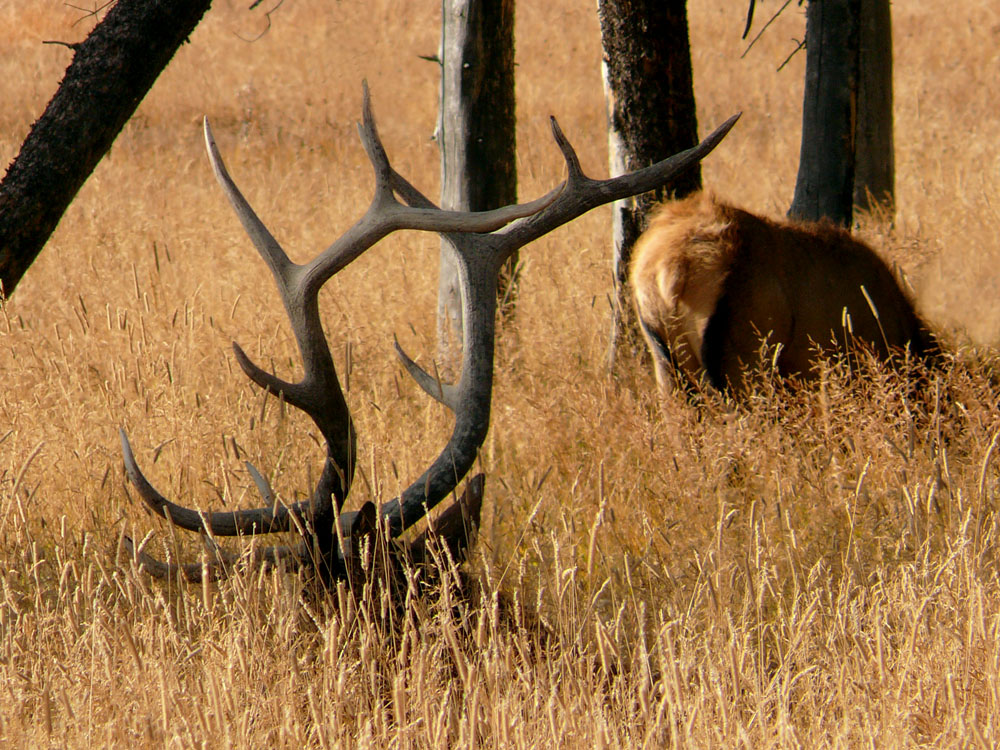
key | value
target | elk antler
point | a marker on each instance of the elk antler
(482, 242)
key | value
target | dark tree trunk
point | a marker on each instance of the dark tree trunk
(651, 112)
(477, 135)
(874, 152)
(110, 73)
(825, 184)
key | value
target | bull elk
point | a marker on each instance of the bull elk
(713, 283)
(482, 241)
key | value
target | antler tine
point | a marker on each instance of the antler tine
(226, 523)
(433, 386)
(192, 572)
(263, 486)
(586, 193)
(568, 152)
(295, 394)
(372, 143)
(263, 240)
(294, 557)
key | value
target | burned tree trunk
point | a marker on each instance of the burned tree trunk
(651, 113)
(477, 138)
(874, 153)
(110, 73)
(824, 187)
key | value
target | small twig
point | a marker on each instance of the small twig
(267, 18)
(72, 45)
(87, 12)
(790, 56)
(761, 32)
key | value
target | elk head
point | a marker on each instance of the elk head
(712, 282)
(482, 242)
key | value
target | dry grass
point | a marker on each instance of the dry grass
(810, 571)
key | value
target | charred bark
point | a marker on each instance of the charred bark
(874, 153)
(110, 73)
(824, 187)
(651, 112)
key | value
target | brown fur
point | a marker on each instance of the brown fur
(711, 282)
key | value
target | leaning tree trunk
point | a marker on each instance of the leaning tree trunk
(874, 152)
(110, 73)
(824, 187)
(478, 140)
(651, 113)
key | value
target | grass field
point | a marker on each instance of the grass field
(816, 571)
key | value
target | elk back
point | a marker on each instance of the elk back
(713, 282)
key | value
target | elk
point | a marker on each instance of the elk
(713, 283)
(330, 536)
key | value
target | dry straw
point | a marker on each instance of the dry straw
(810, 570)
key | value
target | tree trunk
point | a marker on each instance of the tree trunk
(874, 152)
(824, 187)
(110, 73)
(477, 135)
(651, 114)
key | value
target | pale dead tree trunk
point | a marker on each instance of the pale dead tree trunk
(110, 73)
(651, 114)
(824, 187)
(478, 142)
(874, 153)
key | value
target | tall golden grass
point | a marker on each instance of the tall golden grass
(816, 570)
